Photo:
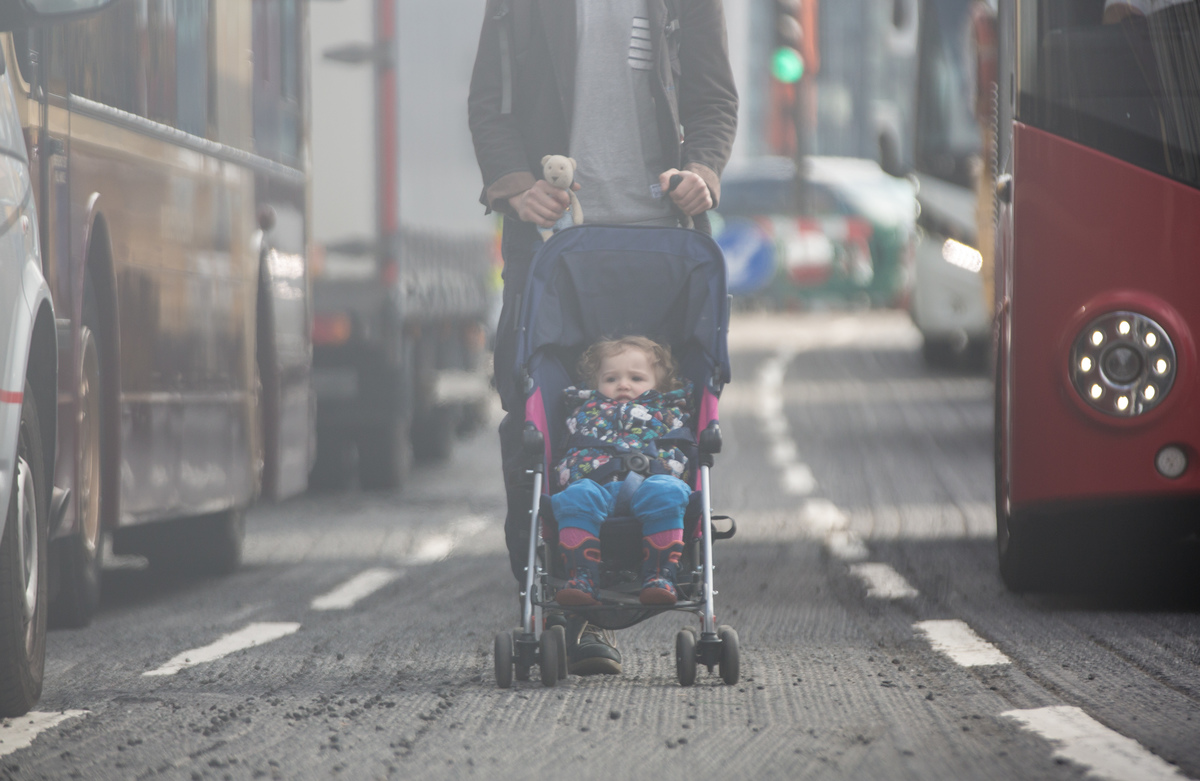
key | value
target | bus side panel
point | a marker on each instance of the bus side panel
(1094, 235)
(180, 232)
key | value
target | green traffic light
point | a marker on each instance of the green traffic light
(787, 65)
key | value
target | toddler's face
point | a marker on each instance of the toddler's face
(626, 375)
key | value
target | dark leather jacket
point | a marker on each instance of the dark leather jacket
(522, 90)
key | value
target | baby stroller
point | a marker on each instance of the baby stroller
(591, 282)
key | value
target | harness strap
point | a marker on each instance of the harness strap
(623, 505)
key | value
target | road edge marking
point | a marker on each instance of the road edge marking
(21, 731)
(1083, 741)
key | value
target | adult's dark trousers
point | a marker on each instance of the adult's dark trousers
(519, 241)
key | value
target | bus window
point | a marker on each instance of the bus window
(1130, 89)
(265, 36)
(277, 51)
(191, 66)
(289, 97)
(158, 36)
(103, 55)
(947, 139)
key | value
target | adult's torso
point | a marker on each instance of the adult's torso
(544, 59)
(614, 128)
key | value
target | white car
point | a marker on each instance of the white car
(949, 302)
(28, 395)
(28, 378)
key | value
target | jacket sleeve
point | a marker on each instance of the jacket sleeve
(494, 129)
(708, 100)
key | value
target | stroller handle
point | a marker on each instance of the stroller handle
(700, 222)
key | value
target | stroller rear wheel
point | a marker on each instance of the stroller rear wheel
(504, 660)
(730, 662)
(549, 658)
(685, 657)
(560, 637)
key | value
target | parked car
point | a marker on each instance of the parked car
(845, 231)
(28, 396)
(28, 381)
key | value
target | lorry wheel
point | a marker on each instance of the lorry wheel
(385, 455)
(331, 469)
(78, 555)
(24, 571)
(433, 434)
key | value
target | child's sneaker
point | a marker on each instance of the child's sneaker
(657, 591)
(582, 564)
(659, 567)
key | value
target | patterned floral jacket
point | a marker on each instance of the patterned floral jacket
(602, 430)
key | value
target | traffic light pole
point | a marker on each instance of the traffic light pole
(387, 140)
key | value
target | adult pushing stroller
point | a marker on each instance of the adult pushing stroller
(596, 282)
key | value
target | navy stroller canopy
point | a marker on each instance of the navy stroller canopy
(595, 281)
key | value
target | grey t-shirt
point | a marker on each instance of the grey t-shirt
(614, 132)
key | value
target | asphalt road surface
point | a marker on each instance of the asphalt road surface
(877, 641)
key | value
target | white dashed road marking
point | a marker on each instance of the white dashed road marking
(958, 641)
(1080, 739)
(435, 547)
(797, 477)
(1076, 737)
(357, 588)
(882, 581)
(826, 522)
(18, 733)
(798, 480)
(439, 546)
(248, 637)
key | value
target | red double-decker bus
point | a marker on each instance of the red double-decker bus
(1098, 276)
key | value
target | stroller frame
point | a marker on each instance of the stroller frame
(716, 646)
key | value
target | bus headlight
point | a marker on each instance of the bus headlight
(1123, 364)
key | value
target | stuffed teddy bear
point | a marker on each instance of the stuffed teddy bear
(559, 171)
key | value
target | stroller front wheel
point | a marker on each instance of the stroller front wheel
(685, 657)
(730, 662)
(560, 637)
(503, 649)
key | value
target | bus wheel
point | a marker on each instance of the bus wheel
(1016, 569)
(78, 556)
(219, 547)
(938, 353)
(203, 545)
(23, 572)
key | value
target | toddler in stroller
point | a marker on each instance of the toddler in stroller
(622, 459)
(596, 283)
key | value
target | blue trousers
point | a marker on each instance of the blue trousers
(659, 503)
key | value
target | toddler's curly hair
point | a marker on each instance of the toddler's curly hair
(665, 370)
